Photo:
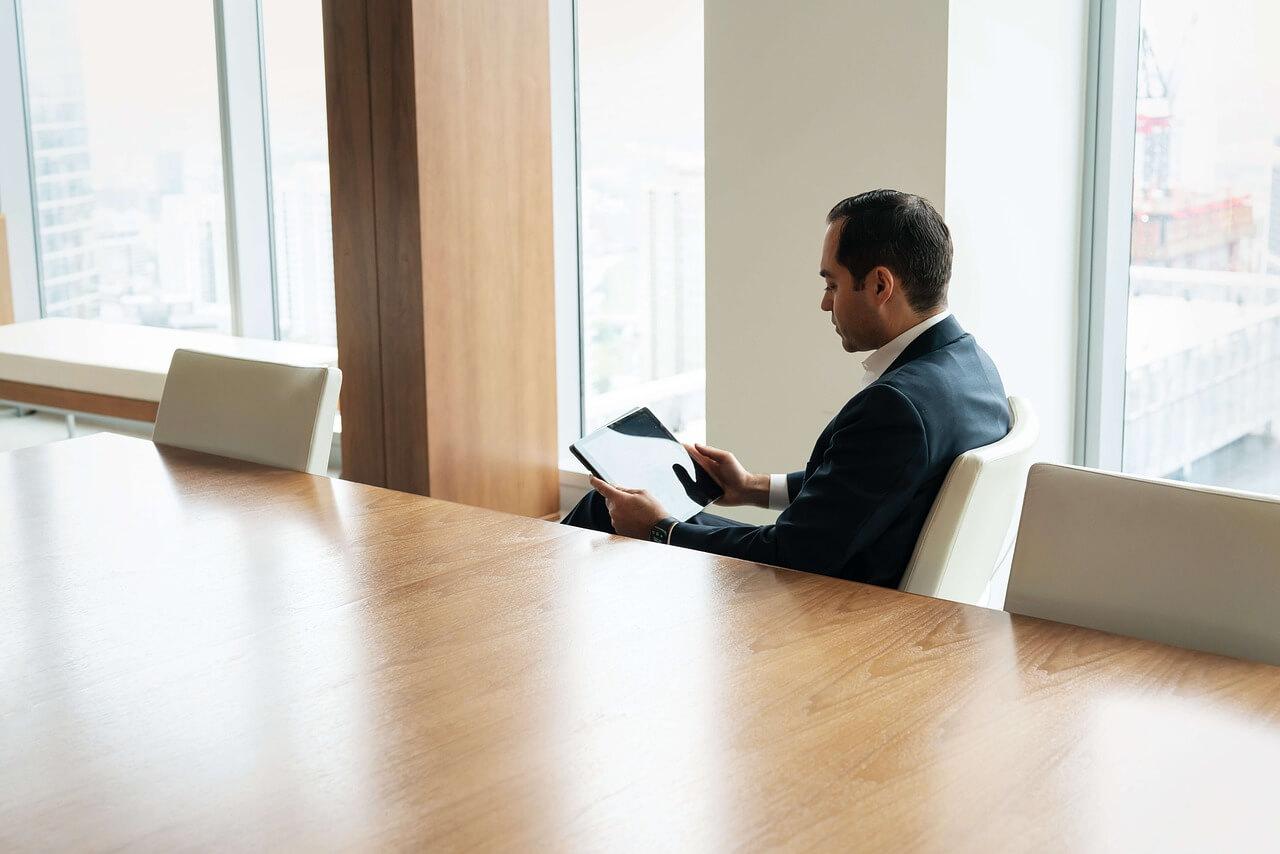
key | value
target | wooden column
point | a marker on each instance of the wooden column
(440, 163)
(6, 283)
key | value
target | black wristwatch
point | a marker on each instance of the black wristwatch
(661, 530)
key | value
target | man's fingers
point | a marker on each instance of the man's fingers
(699, 457)
(712, 453)
(609, 490)
(603, 487)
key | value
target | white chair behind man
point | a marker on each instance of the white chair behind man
(971, 524)
(262, 412)
(1186, 565)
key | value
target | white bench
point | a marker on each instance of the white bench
(87, 366)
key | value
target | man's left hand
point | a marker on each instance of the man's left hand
(633, 511)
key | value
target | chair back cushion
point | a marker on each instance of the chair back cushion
(1186, 565)
(974, 515)
(263, 412)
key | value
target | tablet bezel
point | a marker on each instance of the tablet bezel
(699, 473)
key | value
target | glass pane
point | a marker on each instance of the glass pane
(1202, 400)
(293, 36)
(128, 161)
(640, 125)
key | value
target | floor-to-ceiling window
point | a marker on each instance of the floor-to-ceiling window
(1197, 395)
(123, 122)
(639, 169)
(177, 164)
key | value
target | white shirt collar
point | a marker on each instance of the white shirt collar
(880, 360)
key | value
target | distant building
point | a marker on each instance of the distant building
(192, 265)
(304, 254)
(675, 270)
(1189, 230)
(1273, 233)
(1202, 375)
(60, 156)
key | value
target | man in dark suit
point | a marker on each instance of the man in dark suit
(929, 394)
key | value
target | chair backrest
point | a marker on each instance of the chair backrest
(263, 412)
(972, 521)
(1185, 565)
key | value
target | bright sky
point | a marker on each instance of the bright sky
(640, 71)
(150, 73)
(1222, 57)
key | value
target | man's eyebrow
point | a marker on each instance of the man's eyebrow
(824, 274)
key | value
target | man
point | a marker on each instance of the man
(929, 394)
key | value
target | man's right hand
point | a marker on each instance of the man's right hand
(741, 487)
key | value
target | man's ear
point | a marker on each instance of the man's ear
(884, 282)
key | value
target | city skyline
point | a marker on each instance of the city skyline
(128, 167)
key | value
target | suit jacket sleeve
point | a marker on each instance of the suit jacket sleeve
(795, 480)
(875, 460)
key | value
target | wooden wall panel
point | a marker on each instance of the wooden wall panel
(392, 83)
(446, 221)
(6, 280)
(485, 154)
(355, 269)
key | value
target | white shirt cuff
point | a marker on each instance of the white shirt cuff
(779, 498)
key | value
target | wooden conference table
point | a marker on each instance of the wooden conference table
(197, 652)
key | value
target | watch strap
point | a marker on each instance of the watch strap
(661, 530)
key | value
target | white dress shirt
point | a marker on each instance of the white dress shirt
(872, 368)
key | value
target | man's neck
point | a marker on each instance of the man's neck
(910, 320)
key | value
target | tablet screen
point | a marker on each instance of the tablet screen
(637, 452)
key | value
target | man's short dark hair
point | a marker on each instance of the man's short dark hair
(899, 231)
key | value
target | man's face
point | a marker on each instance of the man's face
(854, 313)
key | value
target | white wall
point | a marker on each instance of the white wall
(806, 102)
(1015, 122)
(977, 105)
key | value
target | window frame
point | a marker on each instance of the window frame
(566, 201)
(246, 166)
(17, 187)
(1107, 211)
(570, 296)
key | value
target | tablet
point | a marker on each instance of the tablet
(637, 452)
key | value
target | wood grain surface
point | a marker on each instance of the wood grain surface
(202, 653)
(79, 401)
(6, 276)
(355, 239)
(440, 154)
(484, 156)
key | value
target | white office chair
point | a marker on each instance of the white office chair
(968, 531)
(262, 412)
(1185, 565)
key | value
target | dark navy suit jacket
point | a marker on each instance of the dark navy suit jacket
(857, 508)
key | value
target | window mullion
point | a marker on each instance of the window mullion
(567, 215)
(1108, 213)
(17, 186)
(246, 169)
